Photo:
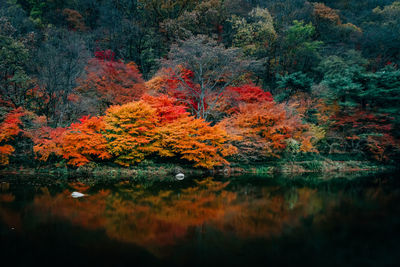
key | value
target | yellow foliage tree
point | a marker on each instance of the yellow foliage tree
(131, 132)
(196, 141)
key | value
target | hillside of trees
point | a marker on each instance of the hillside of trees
(200, 82)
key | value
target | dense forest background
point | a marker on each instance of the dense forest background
(203, 81)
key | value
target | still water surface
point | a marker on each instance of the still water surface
(237, 221)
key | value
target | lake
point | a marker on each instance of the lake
(313, 220)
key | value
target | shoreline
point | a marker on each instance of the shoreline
(299, 167)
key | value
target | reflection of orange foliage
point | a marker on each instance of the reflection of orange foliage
(78, 186)
(157, 220)
(7, 215)
(6, 198)
(88, 212)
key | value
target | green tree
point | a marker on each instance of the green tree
(14, 56)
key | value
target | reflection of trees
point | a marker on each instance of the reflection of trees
(157, 220)
(7, 216)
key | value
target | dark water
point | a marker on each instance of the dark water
(237, 221)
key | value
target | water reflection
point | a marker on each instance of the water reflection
(161, 221)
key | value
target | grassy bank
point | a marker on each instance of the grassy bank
(169, 170)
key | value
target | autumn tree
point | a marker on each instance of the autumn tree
(263, 130)
(10, 128)
(131, 132)
(16, 132)
(194, 140)
(235, 96)
(211, 69)
(109, 82)
(364, 132)
(84, 142)
(80, 143)
(48, 143)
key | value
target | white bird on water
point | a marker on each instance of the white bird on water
(77, 195)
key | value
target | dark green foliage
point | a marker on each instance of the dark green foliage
(293, 83)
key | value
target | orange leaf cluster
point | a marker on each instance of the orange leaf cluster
(265, 128)
(159, 126)
(196, 141)
(80, 143)
(48, 141)
(9, 129)
(84, 141)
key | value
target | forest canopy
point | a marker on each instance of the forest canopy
(200, 82)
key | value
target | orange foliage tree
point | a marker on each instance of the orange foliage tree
(131, 131)
(179, 86)
(9, 130)
(160, 126)
(265, 129)
(111, 82)
(83, 141)
(191, 139)
(80, 143)
(47, 142)
(195, 140)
